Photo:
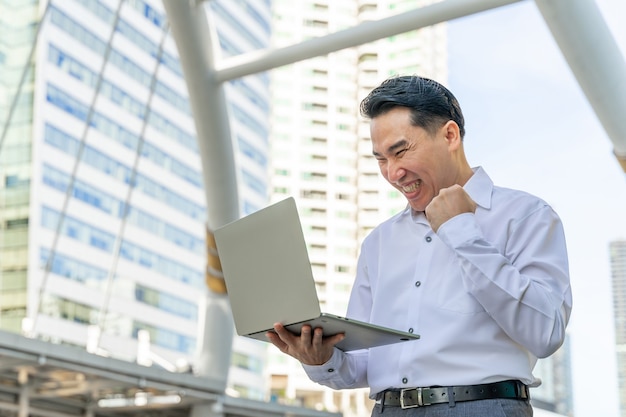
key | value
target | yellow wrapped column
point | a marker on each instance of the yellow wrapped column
(214, 275)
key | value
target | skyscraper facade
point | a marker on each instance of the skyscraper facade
(101, 203)
(617, 250)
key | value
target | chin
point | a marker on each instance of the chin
(417, 207)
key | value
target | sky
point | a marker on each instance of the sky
(530, 126)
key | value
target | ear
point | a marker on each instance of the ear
(452, 134)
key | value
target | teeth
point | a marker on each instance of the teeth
(411, 187)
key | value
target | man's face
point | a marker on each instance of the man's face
(415, 162)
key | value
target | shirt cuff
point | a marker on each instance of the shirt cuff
(326, 371)
(459, 230)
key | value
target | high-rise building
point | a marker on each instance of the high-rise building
(322, 156)
(102, 213)
(618, 273)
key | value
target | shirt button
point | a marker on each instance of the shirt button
(429, 239)
(418, 283)
(405, 380)
(331, 369)
(411, 330)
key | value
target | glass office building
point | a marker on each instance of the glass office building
(101, 203)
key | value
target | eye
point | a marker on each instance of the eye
(401, 152)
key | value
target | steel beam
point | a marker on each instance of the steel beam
(263, 60)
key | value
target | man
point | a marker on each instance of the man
(479, 271)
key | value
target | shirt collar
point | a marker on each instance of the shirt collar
(480, 187)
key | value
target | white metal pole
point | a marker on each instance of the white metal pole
(195, 40)
(595, 59)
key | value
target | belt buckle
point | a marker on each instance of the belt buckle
(419, 398)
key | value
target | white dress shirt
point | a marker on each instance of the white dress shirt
(488, 293)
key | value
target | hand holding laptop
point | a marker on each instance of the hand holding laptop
(310, 347)
(269, 279)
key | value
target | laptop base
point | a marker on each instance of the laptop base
(359, 335)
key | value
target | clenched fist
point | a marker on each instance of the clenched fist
(448, 203)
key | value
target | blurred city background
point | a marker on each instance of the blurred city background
(113, 173)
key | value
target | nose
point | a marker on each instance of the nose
(395, 171)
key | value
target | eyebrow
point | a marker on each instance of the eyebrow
(399, 144)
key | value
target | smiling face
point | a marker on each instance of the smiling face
(415, 162)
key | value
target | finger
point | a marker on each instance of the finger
(305, 335)
(280, 330)
(285, 336)
(276, 341)
(334, 339)
(318, 336)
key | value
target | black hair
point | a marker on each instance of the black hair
(431, 104)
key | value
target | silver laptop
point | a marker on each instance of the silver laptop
(269, 279)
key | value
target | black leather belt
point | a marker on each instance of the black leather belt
(419, 397)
